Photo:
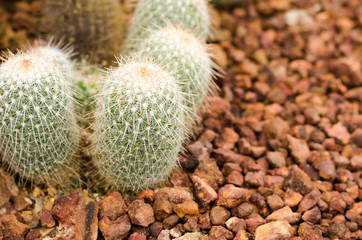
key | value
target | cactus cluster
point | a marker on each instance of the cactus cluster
(92, 26)
(191, 15)
(38, 130)
(143, 111)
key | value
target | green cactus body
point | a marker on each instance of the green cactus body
(192, 15)
(138, 126)
(38, 132)
(184, 55)
(94, 27)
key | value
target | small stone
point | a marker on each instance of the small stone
(164, 235)
(284, 214)
(155, 229)
(356, 162)
(137, 236)
(141, 213)
(274, 202)
(298, 180)
(227, 139)
(255, 179)
(118, 229)
(190, 236)
(203, 191)
(254, 221)
(231, 196)
(170, 221)
(243, 210)
(309, 201)
(175, 232)
(180, 179)
(188, 207)
(339, 132)
(14, 226)
(112, 206)
(204, 221)
(241, 235)
(219, 56)
(191, 225)
(219, 215)
(337, 230)
(276, 159)
(21, 203)
(4, 192)
(46, 219)
(220, 233)
(313, 216)
(33, 234)
(209, 172)
(354, 214)
(299, 148)
(337, 204)
(292, 198)
(277, 230)
(308, 232)
(235, 224)
(235, 178)
(326, 169)
(277, 128)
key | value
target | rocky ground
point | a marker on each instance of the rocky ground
(279, 155)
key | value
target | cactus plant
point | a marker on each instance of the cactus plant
(138, 125)
(184, 55)
(94, 27)
(38, 130)
(192, 15)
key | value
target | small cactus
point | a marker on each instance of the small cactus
(184, 55)
(138, 126)
(94, 27)
(38, 130)
(192, 15)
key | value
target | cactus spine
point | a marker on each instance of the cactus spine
(138, 126)
(184, 55)
(92, 26)
(38, 130)
(192, 15)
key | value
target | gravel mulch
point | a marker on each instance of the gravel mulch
(279, 154)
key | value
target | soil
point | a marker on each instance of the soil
(278, 154)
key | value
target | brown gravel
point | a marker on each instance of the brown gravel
(279, 153)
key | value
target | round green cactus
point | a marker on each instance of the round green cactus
(138, 126)
(183, 54)
(192, 15)
(38, 131)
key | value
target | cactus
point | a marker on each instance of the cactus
(138, 126)
(38, 130)
(184, 55)
(92, 26)
(192, 15)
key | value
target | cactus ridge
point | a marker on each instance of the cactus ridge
(38, 131)
(187, 57)
(139, 125)
(150, 14)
